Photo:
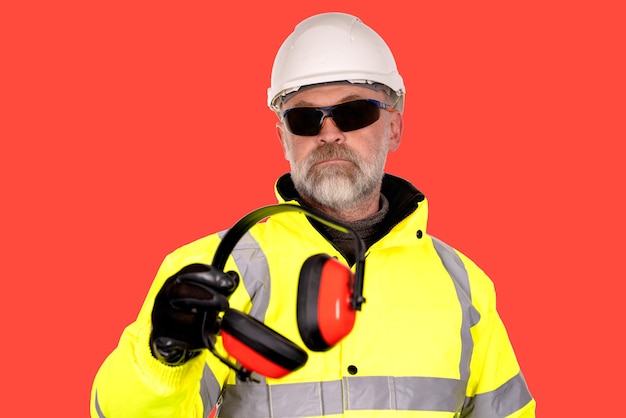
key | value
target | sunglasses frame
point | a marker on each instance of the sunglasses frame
(327, 111)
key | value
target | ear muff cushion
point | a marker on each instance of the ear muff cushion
(324, 311)
(258, 347)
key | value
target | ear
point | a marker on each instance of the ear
(396, 127)
(280, 133)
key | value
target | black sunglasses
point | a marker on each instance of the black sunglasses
(349, 116)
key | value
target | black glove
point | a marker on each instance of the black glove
(184, 316)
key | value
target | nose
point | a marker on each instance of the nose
(329, 132)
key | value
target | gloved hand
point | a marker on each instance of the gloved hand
(184, 316)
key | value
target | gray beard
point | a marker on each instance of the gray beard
(341, 186)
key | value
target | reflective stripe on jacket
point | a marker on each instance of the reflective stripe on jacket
(428, 341)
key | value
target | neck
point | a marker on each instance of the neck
(360, 210)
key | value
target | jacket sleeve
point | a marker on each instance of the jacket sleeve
(497, 387)
(132, 383)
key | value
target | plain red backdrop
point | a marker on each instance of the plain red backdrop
(131, 128)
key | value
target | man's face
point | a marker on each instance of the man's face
(336, 169)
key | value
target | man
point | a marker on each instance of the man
(427, 341)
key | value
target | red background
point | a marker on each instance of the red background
(131, 128)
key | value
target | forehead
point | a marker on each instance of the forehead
(319, 96)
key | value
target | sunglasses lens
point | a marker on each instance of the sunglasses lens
(303, 121)
(350, 116)
(355, 115)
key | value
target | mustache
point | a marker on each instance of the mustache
(330, 151)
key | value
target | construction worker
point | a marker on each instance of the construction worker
(339, 303)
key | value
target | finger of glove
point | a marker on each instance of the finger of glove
(224, 283)
(192, 296)
(192, 329)
(217, 303)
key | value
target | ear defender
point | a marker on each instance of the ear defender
(325, 313)
(259, 348)
(329, 295)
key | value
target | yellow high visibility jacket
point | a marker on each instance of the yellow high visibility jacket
(428, 341)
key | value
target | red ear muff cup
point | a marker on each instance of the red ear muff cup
(259, 348)
(324, 310)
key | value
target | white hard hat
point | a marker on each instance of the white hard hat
(331, 47)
